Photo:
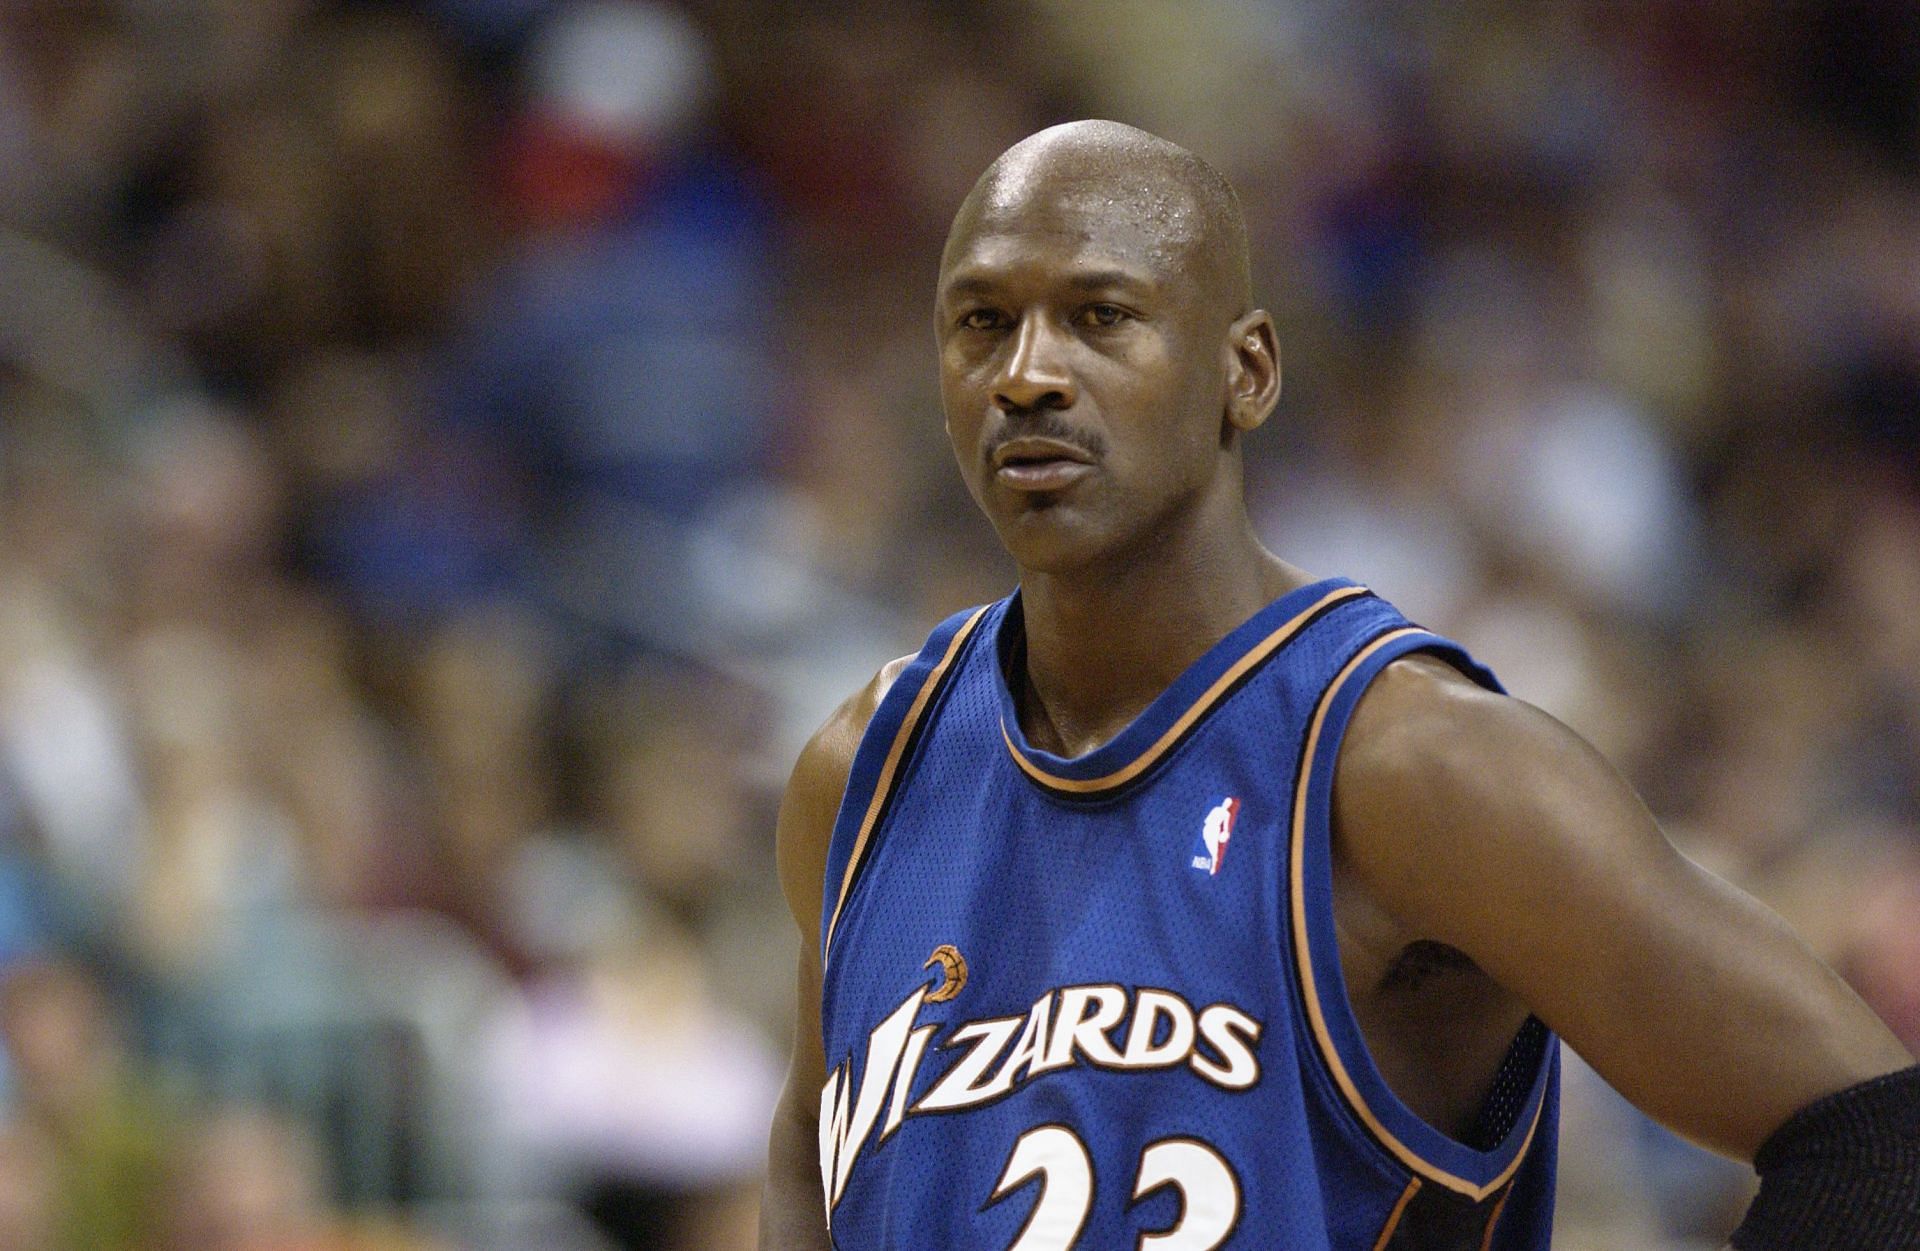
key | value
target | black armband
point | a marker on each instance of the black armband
(1843, 1173)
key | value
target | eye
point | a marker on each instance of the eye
(1104, 315)
(982, 319)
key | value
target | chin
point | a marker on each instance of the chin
(1054, 540)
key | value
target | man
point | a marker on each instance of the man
(1184, 901)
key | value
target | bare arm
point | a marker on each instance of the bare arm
(1480, 822)
(792, 1212)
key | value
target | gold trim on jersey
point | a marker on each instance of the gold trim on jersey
(1175, 732)
(1493, 1222)
(1399, 1210)
(1316, 1016)
(883, 786)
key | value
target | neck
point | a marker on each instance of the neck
(1104, 641)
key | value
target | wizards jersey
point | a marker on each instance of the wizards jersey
(1096, 1002)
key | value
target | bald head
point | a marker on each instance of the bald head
(1099, 360)
(1181, 213)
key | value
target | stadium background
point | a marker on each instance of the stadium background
(451, 453)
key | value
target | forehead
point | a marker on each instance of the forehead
(1014, 230)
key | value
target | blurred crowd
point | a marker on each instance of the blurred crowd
(452, 452)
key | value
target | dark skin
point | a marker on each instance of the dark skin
(1100, 363)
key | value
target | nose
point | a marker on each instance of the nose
(1035, 374)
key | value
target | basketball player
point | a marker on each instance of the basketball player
(1182, 900)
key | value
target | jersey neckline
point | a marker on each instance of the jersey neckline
(1130, 756)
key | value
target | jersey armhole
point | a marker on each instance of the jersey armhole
(1333, 1031)
(879, 763)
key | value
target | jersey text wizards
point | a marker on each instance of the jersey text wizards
(1096, 1002)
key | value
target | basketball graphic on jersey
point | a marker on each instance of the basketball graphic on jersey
(953, 972)
(1211, 847)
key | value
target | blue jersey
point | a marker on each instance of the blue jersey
(1096, 1002)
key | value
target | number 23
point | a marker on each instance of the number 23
(1209, 1192)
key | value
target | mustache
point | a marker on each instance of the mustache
(1046, 424)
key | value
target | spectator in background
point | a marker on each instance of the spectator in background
(27, 1193)
(614, 358)
(246, 1180)
(625, 1082)
(105, 1129)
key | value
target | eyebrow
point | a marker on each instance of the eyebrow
(1087, 281)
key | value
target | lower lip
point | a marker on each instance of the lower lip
(1043, 475)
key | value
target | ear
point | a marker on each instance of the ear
(1253, 370)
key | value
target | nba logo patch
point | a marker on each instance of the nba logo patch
(1211, 847)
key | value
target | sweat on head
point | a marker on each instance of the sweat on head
(1184, 214)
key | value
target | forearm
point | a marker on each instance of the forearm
(792, 1212)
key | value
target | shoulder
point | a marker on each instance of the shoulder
(1448, 795)
(1423, 724)
(812, 799)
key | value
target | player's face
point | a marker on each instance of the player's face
(1082, 374)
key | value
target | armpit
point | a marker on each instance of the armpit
(1421, 961)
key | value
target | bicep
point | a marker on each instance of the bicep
(1482, 823)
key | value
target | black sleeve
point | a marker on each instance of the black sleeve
(1843, 1173)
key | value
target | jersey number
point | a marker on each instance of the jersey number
(1209, 1193)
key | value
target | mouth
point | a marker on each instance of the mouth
(1035, 464)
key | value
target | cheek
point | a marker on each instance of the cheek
(1183, 424)
(962, 422)
(959, 395)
